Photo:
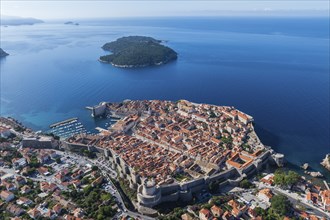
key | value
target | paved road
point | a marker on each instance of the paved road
(106, 171)
(296, 199)
(104, 167)
(117, 195)
(48, 179)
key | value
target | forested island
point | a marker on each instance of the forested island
(137, 51)
(3, 53)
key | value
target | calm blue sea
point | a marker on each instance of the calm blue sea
(275, 69)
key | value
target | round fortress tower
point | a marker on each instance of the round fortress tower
(149, 187)
(149, 194)
(279, 159)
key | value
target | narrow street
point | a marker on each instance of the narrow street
(107, 172)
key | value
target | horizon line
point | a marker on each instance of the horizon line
(237, 14)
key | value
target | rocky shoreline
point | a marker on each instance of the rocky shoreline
(314, 174)
(326, 162)
(131, 66)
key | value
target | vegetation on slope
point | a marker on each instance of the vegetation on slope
(137, 51)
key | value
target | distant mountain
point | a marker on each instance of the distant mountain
(70, 22)
(3, 53)
(13, 20)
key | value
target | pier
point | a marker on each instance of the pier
(101, 129)
(67, 128)
(70, 120)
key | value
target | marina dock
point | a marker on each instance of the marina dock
(67, 128)
(101, 129)
(70, 120)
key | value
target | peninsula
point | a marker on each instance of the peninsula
(159, 160)
(15, 20)
(3, 53)
(137, 51)
(168, 151)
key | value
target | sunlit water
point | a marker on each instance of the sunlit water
(275, 69)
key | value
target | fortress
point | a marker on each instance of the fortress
(169, 151)
(98, 110)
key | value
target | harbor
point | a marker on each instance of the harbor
(67, 128)
(74, 126)
(70, 120)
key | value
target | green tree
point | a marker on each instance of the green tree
(292, 178)
(228, 140)
(213, 115)
(87, 189)
(271, 216)
(286, 179)
(74, 193)
(260, 212)
(206, 206)
(105, 197)
(246, 184)
(100, 217)
(281, 205)
(279, 177)
(85, 180)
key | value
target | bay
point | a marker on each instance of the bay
(275, 69)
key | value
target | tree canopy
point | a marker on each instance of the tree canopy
(96, 202)
(282, 178)
(280, 205)
(246, 184)
(137, 51)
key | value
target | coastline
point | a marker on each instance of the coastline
(288, 164)
(142, 51)
(136, 118)
(132, 66)
(291, 136)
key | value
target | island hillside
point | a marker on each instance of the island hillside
(137, 51)
(71, 22)
(14, 20)
(3, 53)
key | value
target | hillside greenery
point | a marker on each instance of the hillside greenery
(137, 51)
(285, 179)
(96, 202)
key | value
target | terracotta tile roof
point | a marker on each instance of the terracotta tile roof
(267, 192)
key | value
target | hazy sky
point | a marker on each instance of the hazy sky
(45, 9)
